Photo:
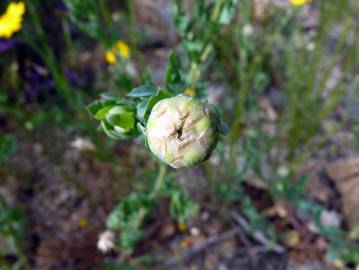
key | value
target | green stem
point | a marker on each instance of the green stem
(67, 36)
(217, 10)
(159, 181)
(105, 14)
(42, 47)
(156, 189)
(196, 70)
(133, 25)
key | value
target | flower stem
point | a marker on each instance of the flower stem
(156, 188)
(159, 181)
(104, 12)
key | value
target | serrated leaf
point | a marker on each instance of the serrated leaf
(142, 91)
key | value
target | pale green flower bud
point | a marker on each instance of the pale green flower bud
(182, 131)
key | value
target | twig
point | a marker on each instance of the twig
(198, 248)
(258, 235)
(244, 226)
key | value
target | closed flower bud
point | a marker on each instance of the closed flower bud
(120, 122)
(183, 131)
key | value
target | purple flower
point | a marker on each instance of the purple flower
(60, 5)
(74, 78)
(6, 44)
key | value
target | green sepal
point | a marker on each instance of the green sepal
(161, 94)
(142, 130)
(141, 110)
(113, 134)
(101, 114)
(145, 106)
(94, 107)
(119, 117)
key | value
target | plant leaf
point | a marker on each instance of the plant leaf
(109, 131)
(161, 94)
(109, 96)
(141, 110)
(124, 120)
(142, 91)
(94, 107)
(101, 114)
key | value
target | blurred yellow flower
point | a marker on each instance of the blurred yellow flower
(189, 92)
(299, 2)
(110, 57)
(11, 20)
(182, 226)
(120, 48)
(123, 49)
(186, 244)
(82, 222)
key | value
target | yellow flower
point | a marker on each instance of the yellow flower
(82, 222)
(110, 57)
(11, 20)
(189, 92)
(120, 48)
(186, 244)
(123, 49)
(299, 2)
(182, 226)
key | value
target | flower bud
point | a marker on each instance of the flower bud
(182, 131)
(120, 122)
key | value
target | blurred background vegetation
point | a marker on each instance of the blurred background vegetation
(281, 190)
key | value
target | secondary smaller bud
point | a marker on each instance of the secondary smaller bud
(122, 118)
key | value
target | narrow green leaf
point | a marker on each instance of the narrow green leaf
(161, 94)
(141, 110)
(142, 91)
(109, 96)
(142, 130)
